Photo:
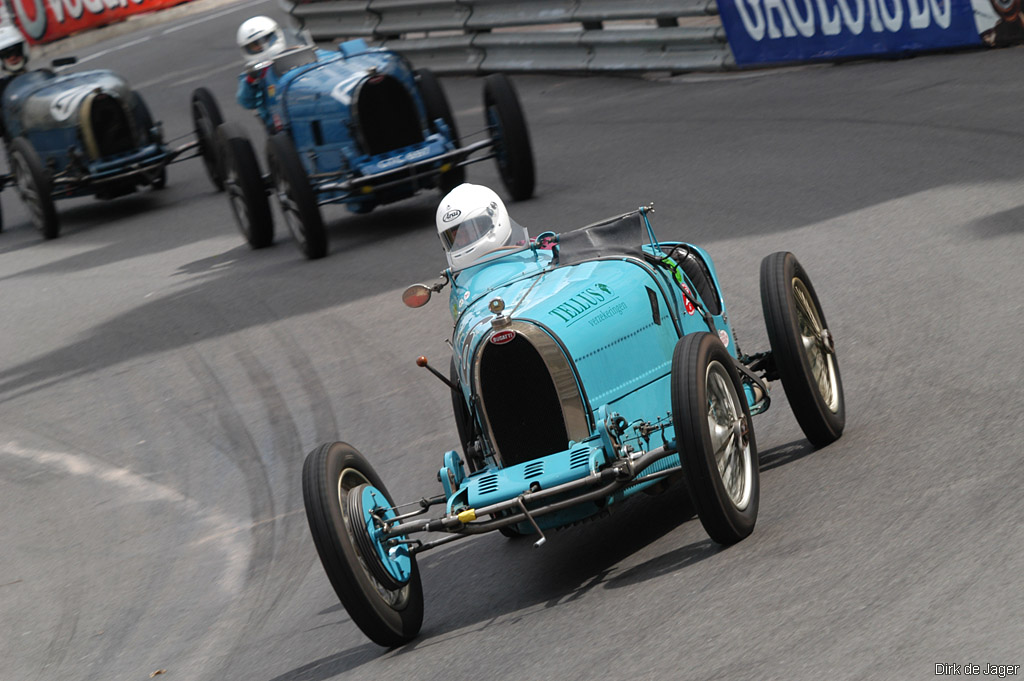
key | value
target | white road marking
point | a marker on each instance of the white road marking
(136, 488)
(207, 17)
(137, 41)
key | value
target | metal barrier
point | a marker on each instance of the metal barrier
(473, 36)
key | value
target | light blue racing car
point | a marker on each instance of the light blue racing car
(587, 367)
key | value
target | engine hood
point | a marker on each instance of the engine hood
(336, 78)
(600, 312)
(41, 100)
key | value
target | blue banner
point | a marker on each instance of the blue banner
(767, 31)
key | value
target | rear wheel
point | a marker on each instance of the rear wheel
(206, 117)
(34, 187)
(383, 596)
(803, 348)
(298, 202)
(715, 437)
(504, 118)
(244, 186)
(435, 101)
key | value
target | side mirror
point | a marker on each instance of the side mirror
(63, 61)
(416, 295)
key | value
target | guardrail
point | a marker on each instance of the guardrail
(474, 36)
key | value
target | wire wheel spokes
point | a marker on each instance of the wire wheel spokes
(348, 480)
(729, 436)
(818, 345)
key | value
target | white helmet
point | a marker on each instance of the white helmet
(472, 222)
(260, 39)
(13, 51)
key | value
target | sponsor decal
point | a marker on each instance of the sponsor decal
(690, 309)
(724, 337)
(764, 31)
(43, 21)
(271, 90)
(395, 161)
(502, 337)
(451, 215)
(583, 303)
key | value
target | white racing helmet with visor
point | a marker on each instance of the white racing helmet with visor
(260, 39)
(13, 52)
(473, 223)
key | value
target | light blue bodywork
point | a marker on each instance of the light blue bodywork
(615, 320)
(313, 103)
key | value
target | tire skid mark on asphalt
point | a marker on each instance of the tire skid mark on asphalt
(286, 443)
(66, 627)
(136, 489)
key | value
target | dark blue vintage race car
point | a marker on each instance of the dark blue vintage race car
(581, 375)
(360, 127)
(87, 134)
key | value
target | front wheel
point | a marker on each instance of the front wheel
(504, 117)
(383, 597)
(435, 101)
(244, 186)
(715, 437)
(298, 201)
(803, 348)
(34, 187)
(206, 117)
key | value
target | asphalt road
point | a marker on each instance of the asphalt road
(160, 384)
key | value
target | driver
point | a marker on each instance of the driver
(261, 40)
(13, 58)
(472, 221)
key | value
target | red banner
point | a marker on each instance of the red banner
(43, 21)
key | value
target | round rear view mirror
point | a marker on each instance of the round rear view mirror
(416, 295)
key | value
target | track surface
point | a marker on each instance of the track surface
(160, 384)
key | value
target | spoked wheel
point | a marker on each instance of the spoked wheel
(244, 186)
(504, 118)
(803, 348)
(435, 101)
(298, 202)
(34, 187)
(380, 590)
(715, 437)
(206, 118)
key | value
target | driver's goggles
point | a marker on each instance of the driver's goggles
(12, 51)
(260, 44)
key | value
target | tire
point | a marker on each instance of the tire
(803, 348)
(389, 617)
(720, 464)
(34, 187)
(298, 202)
(206, 118)
(159, 181)
(435, 101)
(244, 186)
(504, 117)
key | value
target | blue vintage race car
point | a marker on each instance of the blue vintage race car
(581, 375)
(361, 128)
(87, 133)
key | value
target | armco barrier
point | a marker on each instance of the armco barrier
(43, 21)
(469, 36)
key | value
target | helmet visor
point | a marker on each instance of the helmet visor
(467, 232)
(16, 50)
(260, 44)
